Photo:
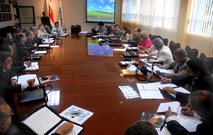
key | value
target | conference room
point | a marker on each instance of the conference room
(88, 78)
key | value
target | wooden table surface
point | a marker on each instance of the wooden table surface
(91, 82)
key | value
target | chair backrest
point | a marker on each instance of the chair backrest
(208, 62)
(108, 29)
(165, 40)
(129, 31)
(173, 46)
(191, 53)
(16, 54)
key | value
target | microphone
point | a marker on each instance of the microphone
(158, 62)
(30, 88)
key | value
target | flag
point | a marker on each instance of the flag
(61, 22)
(51, 14)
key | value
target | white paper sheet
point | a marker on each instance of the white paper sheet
(24, 78)
(40, 52)
(34, 66)
(163, 107)
(128, 92)
(42, 121)
(149, 94)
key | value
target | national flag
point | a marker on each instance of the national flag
(61, 22)
(51, 14)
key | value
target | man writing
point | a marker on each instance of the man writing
(178, 66)
(199, 79)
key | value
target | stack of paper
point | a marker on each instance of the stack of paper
(48, 40)
(155, 68)
(143, 55)
(24, 78)
(146, 62)
(129, 92)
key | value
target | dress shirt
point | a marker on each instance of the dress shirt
(56, 30)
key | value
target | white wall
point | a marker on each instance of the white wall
(74, 12)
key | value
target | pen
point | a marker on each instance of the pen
(184, 109)
(163, 79)
(163, 125)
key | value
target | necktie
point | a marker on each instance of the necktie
(192, 84)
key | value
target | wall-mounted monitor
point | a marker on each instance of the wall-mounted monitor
(100, 10)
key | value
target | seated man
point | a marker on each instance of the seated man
(30, 43)
(145, 43)
(118, 32)
(36, 39)
(164, 53)
(20, 44)
(141, 127)
(56, 30)
(17, 66)
(8, 79)
(179, 66)
(135, 37)
(6, 121)
(202, 103)
(102, 29)
(112, 30)
(199, 79)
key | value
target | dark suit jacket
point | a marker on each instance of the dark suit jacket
(204, 128)
(22, 50)
(17, 66)
(203, 82)
(29, 45)
(36, 40)
(137, 39)
(7, 90)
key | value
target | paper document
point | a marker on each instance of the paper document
(163, 107)
(154, 86)
(40, 52)
(76, 129)
(34, 66)
(132, 48)
(143, 55)
(54, 46)
(44, 45)
(79, 117)
(151, 94)
(146, 62)
(128, 92)
(119, 49)
(63, 35)
(126, 45)
(42, 120)
(24, 78)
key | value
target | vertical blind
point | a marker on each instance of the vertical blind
(201, 26)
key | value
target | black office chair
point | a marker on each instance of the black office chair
(129, 31)
(15, 54)
(165, 41)
(191, 53)
(173, 46)
(108, 29)
(151, 36)
(208, 62)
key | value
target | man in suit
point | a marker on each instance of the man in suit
(8, 79)
(141, 127)
(112, 30)
(199, 79)
(20, 44)
(118, 32)
(135, 37)
(36, 39)
(178, 66)
(17, 66)
(201, 102)
(56, 30)
(102, 29)
(30, 43)
(164, 53)
(7, 123)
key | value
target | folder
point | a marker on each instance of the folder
(44, 121)
(126, 72)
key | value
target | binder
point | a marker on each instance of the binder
(44, 120)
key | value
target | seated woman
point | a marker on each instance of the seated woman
(125, 36)
(145, 43)
(42, 31)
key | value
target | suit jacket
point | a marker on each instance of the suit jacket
(29, 44)
(7, 90)
(203, 82)
(36, 40)
(204, 128)
(117, 34)
(17, 66)
(102, 30)
(22, 49)
(164, 55)
(137, 40)
(179, 72)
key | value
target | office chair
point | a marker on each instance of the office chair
(173, 46)
(207, 61)
(191, 53)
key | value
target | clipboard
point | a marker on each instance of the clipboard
(52, 116)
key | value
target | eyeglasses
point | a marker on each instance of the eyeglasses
(10, 61)
(11, 113)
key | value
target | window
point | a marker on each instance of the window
(201, 21)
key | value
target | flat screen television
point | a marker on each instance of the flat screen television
(100, 10)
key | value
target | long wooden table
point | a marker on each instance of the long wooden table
(91, 82)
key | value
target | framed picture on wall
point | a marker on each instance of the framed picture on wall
(8, 8)
(5, 17)
(10, 16)
(1, 18)
(3, 7)
(0, 8)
